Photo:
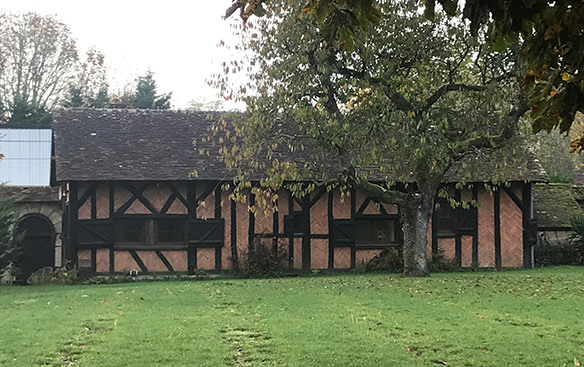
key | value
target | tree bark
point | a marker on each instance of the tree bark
(416, 213)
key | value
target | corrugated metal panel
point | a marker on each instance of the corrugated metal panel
(27, 156)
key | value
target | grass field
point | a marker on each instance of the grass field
(508, 318)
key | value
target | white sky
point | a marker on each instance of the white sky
(175, 39)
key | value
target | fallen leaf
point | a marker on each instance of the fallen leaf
(483, 348)
(437, 361)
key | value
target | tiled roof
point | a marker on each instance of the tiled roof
(555, 204)
(122, 144)
(28, 194)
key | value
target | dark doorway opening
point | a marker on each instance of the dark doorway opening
(38, 245)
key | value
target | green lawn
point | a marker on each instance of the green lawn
(509, 318)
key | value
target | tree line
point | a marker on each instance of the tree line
(41, 69)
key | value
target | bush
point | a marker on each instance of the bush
(10, 240)
(577, 238)
(266, 259)
(548, 254)
(66, 274)
(388, 260)
(440, 263)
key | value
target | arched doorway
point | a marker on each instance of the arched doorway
(37, 245)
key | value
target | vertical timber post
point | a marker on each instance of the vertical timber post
(526, 216)
(71, 252)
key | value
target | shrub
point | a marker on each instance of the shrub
(388, 260)
(66, 274)
(577, 238)
(551, 254)
(266, 259)
(10, 240)
(441, 263)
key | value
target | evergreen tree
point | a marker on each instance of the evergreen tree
(24, 111)
(146, 97)
(101, 100)
(74, 98)
(9, 238)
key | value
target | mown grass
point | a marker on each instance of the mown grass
(508, 318)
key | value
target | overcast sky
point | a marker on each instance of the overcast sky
(175, 39)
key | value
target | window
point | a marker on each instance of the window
(375, 231)
(294, 223)
(171, 230)
(445, 219)
(450, 221)
(130, 231)
(150, 231)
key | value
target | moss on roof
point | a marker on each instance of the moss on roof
(555, 204)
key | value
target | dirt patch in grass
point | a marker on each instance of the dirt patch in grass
(241, 331)
(70, 352)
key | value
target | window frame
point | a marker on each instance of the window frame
(374, 218)
(150, 233)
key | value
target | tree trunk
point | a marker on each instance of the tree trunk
(416, 213)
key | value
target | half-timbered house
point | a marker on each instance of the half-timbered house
(131, 205)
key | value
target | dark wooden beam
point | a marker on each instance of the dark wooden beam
(513, 197)
(331, 250)
(457, 235)
(177, 194)
(191, 259)
(87, 194)
(290, 236)
(319, 194)
(275, 230)
(208, 191)
(138, 261)
(111, 260)
(218, 204)
(251, 226)
(111, 186)
(93, 261)
(306, 233)
(165, 261)
(475, 235)
(168, 203)
(363, 205)
(71, 248)
(191, 199)
(234, 255)
(525, 218)
(434, 233)
(94, 204)
(139, 193)
(353, 205)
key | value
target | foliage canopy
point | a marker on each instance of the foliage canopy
(37, 62)
(412, 99)
(553, 43)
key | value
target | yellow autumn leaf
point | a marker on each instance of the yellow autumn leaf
(565, 76)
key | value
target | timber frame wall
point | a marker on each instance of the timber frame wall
(190, 225)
